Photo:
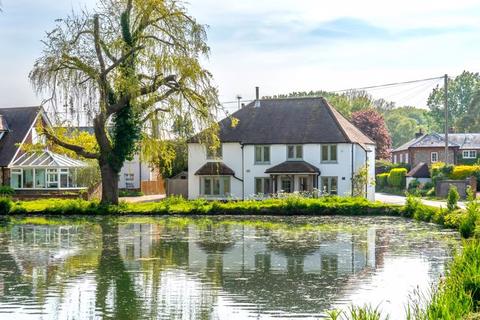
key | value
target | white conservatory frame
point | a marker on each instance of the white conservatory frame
(58, 172)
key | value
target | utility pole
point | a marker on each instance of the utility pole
(446, 116)
(239, 98)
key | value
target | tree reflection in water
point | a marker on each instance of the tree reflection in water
(202, 269)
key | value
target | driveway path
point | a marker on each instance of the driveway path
(152, 198)
(400, 200)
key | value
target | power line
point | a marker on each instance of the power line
(387, 85)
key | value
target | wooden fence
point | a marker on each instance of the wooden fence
(153, 187)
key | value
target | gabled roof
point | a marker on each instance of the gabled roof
(465, 140)
(293, 167)
(420, 171)
(46, 158)
(19, 121)
(430, 140)
(215, 169)
(290, 121)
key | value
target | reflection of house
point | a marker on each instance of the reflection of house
(30, 171)
(280, 145)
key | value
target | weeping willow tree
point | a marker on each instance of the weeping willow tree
(133, 68)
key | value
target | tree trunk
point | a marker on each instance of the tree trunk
(109, 184)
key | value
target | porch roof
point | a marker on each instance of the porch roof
(46, 158)
(294, 167)
(215, 169)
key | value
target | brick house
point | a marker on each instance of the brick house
(464, 148)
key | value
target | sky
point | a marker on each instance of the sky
(287, 45)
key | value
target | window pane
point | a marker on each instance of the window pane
(16, 180)
(258, 154)
(266, 187)
(63, 180)
(266, 154)
(333, 185)
(324, 153)
(325, 188)
(291, 152)
(207, 186)
(226, 185)
(39, 178)
(216, 186)
(333, 153)
(299, 154)
(258, 186)
(28, 178)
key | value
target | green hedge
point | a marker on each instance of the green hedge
(397, 178)
(382, 180)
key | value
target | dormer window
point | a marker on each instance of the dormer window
(295, 152)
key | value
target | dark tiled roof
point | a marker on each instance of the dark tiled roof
(465, 140)
(293, 167)
(427, 141)
(293, 120)
(19, 121)
(215, 169)
(420, 171)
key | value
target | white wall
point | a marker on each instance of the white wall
(134, 167)
(232, 157)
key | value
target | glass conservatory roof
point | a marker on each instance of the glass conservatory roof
(46, 158)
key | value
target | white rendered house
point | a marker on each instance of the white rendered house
(281, 145)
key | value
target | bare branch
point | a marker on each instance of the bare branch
(98, 50)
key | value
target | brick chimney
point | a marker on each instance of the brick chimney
(257, 97)
(419, 133)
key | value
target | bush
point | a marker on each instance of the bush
(382, 180)
(463, 172)
(415, 184)
(6, 191)
(383, 166)
(452, 198)
(5, 205)
(397, 178)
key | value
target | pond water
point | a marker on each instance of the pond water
(205, 268)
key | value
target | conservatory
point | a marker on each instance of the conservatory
(45, 170)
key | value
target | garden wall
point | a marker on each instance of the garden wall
(442, 186)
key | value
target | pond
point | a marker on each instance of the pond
(215, 268)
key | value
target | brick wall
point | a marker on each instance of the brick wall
(424, 155)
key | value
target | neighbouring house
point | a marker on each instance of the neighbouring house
(463, 148)
(133, 172)
(32, 173)
(281, 145)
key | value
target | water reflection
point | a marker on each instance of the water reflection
(142, 268)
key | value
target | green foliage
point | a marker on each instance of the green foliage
(464, 171)
(404, 122)
(383, 166)
(90, 175)
(5, 205)
(452, 198)
(6, 191)
(382, 180)
(130, 193)
(357, 313)
(397, 178)
(463, 112)
(360, 182)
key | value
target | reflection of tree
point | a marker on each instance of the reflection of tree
(112, 275)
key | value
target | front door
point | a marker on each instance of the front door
(286, 185)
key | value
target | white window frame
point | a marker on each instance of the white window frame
(432, 154)
(406, 157)
(221, 179)
(218, 155)
(261, 149)
(129, 177)
(469, 154)
(263, 182)
(328, 188)
(295, 151)
(16, 172)
(394, 158)
(329, 153)
(401, 157)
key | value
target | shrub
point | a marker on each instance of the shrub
(452, 198)
(397, 178)
(5, 205)
(414, 184)
(383, 166)
(382, 180)
(6, 191)
(463, 172)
